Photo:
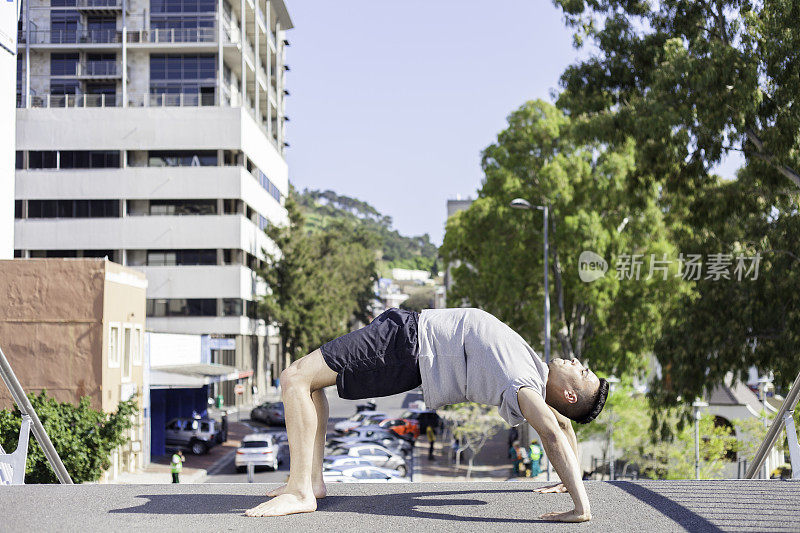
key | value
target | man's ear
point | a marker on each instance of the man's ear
(570, 396)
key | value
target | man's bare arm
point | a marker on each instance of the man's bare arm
(566, 426)
(559, 452)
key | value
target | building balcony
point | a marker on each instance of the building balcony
(93, 70)
(71, 100)
(75, 38)
(172, 36)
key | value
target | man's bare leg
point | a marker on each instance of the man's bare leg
(317, 483)
(303, 377)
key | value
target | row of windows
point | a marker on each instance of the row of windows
(70, 159)
(69, 208)
(66, 159)
(165, 307)
(203, 257)
(182, 158)
(183, 67)
(183, 6)
(181, 257)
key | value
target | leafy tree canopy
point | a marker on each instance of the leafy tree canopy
(610, 322)
(689, 81)
(318, 280)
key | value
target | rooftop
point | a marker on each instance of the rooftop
(491, 506)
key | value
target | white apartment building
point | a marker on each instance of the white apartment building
(152, 132)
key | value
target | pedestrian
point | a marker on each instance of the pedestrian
(431, 439)
(513, 435)
(526, 460)
(535, 455)
(516, 459)
(177, 465)
(456, 355)
(454, 448)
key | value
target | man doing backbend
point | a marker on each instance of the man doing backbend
(457, 355)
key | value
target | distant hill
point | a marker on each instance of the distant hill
(323, 207)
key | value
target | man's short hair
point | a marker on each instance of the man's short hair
(596, 405)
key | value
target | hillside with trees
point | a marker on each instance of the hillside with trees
(323, 209)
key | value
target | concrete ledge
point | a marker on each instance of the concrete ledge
(508, 506)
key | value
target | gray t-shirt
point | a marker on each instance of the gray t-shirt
(469, 355)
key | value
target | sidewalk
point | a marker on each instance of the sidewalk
(196, 467)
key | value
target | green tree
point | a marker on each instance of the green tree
(474, 425)
(610, 322)
(749, 319)
(83, 437)
(318, 281)
(689, 81)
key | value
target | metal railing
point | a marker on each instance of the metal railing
(75, 36)
(173, 35)
(71, 100)
(88, 4)
(783, 417)
(91, 69)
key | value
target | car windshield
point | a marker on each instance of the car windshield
(351, 433)
(339, 451)
(357, 417)
(255, 444)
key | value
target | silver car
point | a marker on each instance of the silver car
(258, 449)
(362, 474)
(375, 454)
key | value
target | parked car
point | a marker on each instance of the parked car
(377, 435)
(362, 474)
(259, 449)
(197, 434)
(424, 418)
(377, 455)
(359, 419)
(337, 461)
(271, 413)
(369, 405)
(402, 426)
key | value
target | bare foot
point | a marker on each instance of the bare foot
(320, 491)
(284, 504)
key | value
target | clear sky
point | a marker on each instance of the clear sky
(392, 101)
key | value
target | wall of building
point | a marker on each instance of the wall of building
(51, 326)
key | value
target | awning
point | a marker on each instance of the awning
(193, 375)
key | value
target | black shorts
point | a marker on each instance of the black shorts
(380, 359)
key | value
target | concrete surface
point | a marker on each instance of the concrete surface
(507, 506)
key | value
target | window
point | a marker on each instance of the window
(20, 161)
(232, 307)
(182, 307)
(127, 355)
(62, 87)
(181, 257)
(183, 207)
(63, 64)
(42, 159)
(73, 209)
(89, 159)
(101, 28)
(17, 208)
(137, 346)
(188, 74)
(182, 158)
(113, 346)
(64, 26)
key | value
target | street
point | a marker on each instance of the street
(339, 409)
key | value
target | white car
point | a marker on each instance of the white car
(359, 419)
(374, 453)
(339, 461)
(362, 474)
(259, 449)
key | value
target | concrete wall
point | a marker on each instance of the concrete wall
(51, 326)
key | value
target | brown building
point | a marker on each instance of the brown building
(75, 327)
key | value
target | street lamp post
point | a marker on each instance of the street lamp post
(697, 404)
(612, 384)
(521, 203)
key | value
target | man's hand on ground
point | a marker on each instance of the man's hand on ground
(569, 516)
(558, 487)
